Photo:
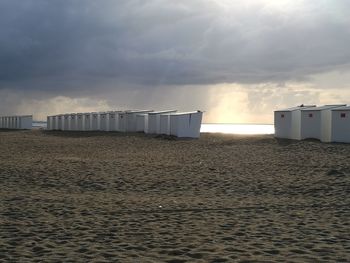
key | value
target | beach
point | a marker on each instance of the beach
(115, 197)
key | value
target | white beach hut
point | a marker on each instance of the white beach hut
(66, 122)
(60, 122)
(130, 121)
(48, 123)
(80, 122)
(287, 122)
(7, 121)
(154, 121)
(121, 126)
(186, 124)
(26, 122)
(141, 122)
(87, 121)
(19, 122)
(73, 122)
(112, 117)
(12, 120)
(316, 122)
(4, 124)
(15, 122)
(104, 121)
(164, 124)
(54, 122)
(95, 121)
(340, 127)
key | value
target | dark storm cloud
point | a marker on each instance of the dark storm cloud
(77, 44)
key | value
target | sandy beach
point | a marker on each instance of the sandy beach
(111, 197)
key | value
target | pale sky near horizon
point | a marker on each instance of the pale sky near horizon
(236, 60)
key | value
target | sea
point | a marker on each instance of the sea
(227, 128)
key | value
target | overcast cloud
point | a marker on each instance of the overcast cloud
(101, 51)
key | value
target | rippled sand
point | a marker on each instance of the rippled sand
(109, 197)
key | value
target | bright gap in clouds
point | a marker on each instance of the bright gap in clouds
(276, 4)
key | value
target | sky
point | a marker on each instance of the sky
(236, 60)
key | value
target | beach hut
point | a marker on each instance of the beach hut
(25, 122)
(287, 122)
(8, 122)
(48, 122)
(121, 126)
(104, 121)
(80, 122)
(17, 122)
(316, 122)
(186, 124)
(164, 124)
(60, 122)
(95, 121)
(3, 122)
(130, 122)
(87, 121)
(66, 122)
(340, 127)
(154, 121)
(54, 122)
(73, 122)
(11, 122)
(14, 122)
(112, 117)
(141, 122)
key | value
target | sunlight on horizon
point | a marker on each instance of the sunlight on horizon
(248, 129)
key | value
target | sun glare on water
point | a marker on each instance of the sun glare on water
(238, 128)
